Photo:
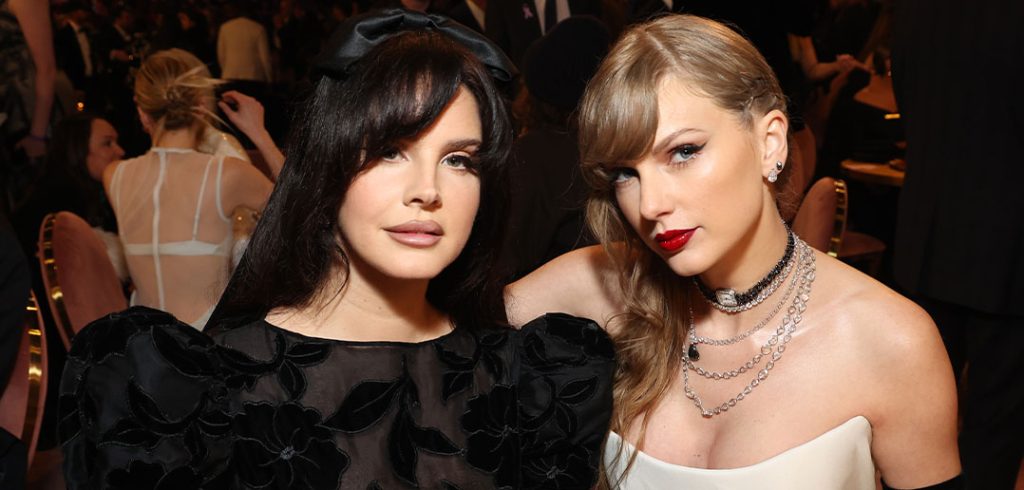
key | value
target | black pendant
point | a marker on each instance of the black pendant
(692, 353)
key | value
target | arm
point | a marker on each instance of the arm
(914, 437)
(818, 71)
(264, 53)
(247, 116)
(34, 19)
(221, 48)
(243, 185)
(581, 283)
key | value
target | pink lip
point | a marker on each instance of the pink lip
(673, 240)
(419, 234)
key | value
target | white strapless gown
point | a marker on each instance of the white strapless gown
(839, 459)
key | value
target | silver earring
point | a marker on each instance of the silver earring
(774, 174)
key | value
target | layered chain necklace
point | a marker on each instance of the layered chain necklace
(729, 301)
(800, 258)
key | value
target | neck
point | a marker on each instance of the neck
(370, 307)
(752, 258)
(740, 270)
(176, 138)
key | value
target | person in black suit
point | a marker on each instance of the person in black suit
(514, 24)
(960, 228)
(76, 51)
(546, 216)
(14, 291)
(466, 12)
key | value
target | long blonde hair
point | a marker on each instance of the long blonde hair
(618, 121)
(175, 89)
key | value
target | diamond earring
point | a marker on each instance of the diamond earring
(774, 174)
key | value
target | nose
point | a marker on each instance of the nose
(118, 151)
(422, 189)
(654, 199)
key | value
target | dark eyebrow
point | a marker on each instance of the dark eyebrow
(463, 144)
(667, 140)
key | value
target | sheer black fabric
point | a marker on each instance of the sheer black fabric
(148, 402)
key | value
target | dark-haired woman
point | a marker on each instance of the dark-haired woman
(82, 147)
(360, 343)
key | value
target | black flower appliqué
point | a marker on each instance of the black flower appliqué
(491, 421)
(285, 447)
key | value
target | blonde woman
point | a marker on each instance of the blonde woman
(746, 359)
(173, 203)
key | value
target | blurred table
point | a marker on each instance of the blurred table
(873, 173)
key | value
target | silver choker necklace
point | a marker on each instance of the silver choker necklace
(730, 301)
(773, 348)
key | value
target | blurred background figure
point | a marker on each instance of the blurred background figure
(83, 146)
(77, 56)
(243, 49)
(960, 237)
(28, 72)
(173, 203)
(14, 290)
(514, 24)
(548, 190)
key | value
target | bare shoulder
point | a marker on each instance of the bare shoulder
(905, 355)
(244, 184)
(108, 174)
(241, 169)
(582, 282)
(894, 351)
(903, 380)
(869, 311)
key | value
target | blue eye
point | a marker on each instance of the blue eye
(683, 153)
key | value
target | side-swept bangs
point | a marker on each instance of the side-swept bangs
(393, 95)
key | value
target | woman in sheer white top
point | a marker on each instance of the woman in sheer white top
(173, 204)
(745, 358)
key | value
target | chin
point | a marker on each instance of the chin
(414, 264)
(685, 263)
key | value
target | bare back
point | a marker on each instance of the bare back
(173, 207)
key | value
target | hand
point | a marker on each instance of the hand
(120, 55)
(848, 63)
(245, 112)
(34, 147)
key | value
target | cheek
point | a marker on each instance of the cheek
(464, 199)
(628, 199)
(361, 204)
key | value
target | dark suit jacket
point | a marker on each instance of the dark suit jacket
(14, 292)
(960, 232)
(69, 56)
(460, 13)
(513, 24)
(546, 217)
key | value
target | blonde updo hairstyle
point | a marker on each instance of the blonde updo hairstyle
(175, 89)
(618, 121)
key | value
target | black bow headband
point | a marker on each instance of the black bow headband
(358, 35)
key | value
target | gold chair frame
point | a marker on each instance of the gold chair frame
(36, 373)
(835, 242)
(54, 294)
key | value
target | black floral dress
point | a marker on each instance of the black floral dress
(148, 402)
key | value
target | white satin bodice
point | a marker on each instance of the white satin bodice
(839, 459)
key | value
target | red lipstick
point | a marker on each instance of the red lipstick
(673, 240)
